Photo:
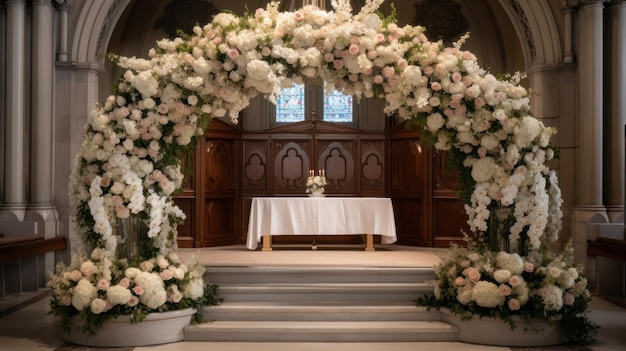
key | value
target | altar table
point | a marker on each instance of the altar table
(320, 216)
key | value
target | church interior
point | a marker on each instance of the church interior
(56, 66)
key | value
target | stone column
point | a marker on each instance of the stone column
(617, 108)
(589, 206)
(14, 206)
(64, 7)
(42, 208)
(568, 11)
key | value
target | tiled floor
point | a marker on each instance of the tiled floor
(30, 328)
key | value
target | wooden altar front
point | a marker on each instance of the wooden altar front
(232, 166)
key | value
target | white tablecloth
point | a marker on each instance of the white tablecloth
(320, 216)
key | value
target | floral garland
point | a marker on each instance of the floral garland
(129, 162)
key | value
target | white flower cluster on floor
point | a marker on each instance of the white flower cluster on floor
(541, 286)
(129, 163)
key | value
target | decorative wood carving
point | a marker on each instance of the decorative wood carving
(449, 220)
(220, 222)
(409, 216)
(337, 159)
(406, 166)
(255, 166)
(291, 166)
(446, 177)
(220, 157)
(372, 166)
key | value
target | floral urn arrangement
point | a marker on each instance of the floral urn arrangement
(315, 183)
(129, 163)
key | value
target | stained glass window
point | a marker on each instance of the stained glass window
(337, 107)
(290, 105)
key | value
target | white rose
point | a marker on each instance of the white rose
(435, 121)
(483, 169)
(98, 305)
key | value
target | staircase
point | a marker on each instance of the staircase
(320, 304)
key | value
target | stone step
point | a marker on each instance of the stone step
(324, 292)
(233, 311)
(312, 331)
(226, 275)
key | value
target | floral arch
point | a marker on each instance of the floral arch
(128, 165)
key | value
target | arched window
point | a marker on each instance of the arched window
(293, 103)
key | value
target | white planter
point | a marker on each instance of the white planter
(157, 328)
(488, 331)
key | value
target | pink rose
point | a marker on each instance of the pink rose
(514, 305)
(124, 283)
(66, 300)
(103, 284)
(138, 290)
(166, 274)
(472, 273)
(232, 54)
(528, 266)
(133, 301)
(504, 289)
(354, 49)
(515, 280)
(459, 281)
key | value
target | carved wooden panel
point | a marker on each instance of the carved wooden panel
(372, 167)
(449, 220)
(291, 166)
(446, 177)
(185, 200)
(220, 160)
(409, 214)
(220, 222)
(337, 159)
(406, 166)
(255, 166)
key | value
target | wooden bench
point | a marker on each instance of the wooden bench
(606, 247)
(29, 245)
(24, 262)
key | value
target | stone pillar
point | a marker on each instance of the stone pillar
(64, 7)
(77, 93)
(42, 208)
(589, 206)
(14, 206)
(568, 11)
(617, 107)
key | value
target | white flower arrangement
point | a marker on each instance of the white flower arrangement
(315, 183)
(129, 162)
(543, 286)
